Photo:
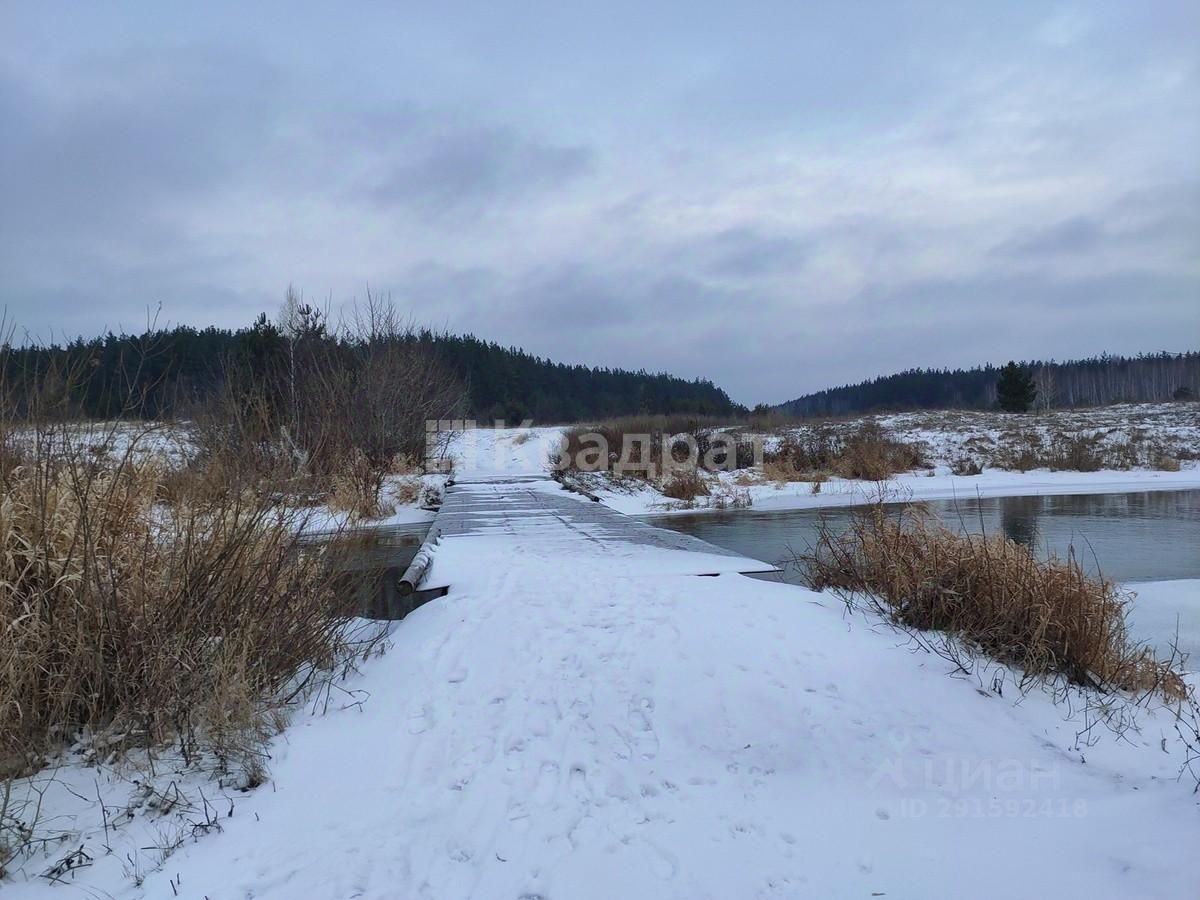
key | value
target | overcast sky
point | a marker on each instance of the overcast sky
(778, 196)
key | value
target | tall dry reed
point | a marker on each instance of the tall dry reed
(1046, 616)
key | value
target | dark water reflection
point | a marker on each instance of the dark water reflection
(1145, 536)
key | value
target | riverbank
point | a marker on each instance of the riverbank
(946, 439)
(564, 728)
(583, 723)
(936, 484)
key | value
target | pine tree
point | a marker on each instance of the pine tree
(1015, 390)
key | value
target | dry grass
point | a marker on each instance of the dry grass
(189, 623)
(779, 470)
(146, 604)
(966, 466)
(1046, 617)
(872, 455)
(355, 488)
(1083, 451)
(407, 490)
(685, 486)
(866, 452)
(714, 447)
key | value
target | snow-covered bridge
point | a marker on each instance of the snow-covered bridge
(490, 520)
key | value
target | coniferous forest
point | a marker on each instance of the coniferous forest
(172, 372)
(1098, 381)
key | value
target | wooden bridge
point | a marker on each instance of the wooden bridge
(491, 521)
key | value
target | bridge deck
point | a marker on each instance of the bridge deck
(496, 521)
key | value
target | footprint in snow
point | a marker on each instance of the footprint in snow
(420, 720)
(543, 789)
(619, 745)
(580, 788)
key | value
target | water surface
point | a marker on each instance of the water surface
(1147, 536)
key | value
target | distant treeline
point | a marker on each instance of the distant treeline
(1085, 382)
(174, 372)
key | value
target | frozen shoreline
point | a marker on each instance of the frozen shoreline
(584, 721)
(527, 450)
(942, 485)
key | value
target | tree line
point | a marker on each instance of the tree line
(175, 372)
(1097, 381)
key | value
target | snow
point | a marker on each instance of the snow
(1168, 607)
(577, 722)
(938, 484)
(497, 451)
(948, 435)
(504, 451)
(582, 731)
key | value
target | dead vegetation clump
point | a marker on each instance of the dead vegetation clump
(966, 466)
(685, 486)
(638, 445)
(1045, 616)
(407, 490)
(1085, 451)
(356, 487)
(1165, 463)
(871, 454)
(184, 624)
(867, 452)
(147, 602)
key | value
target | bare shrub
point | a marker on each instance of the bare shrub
(151, 605)
(356, 487)
(1166, 463)
(686, 486)
(333, 407)
(813, 450)
(966, 466)
(645, 457)
(872, 455)
(119, 614)
(1078, 453)
(368, 396)
(407, 490)
(722, 496)
(1019, 452)
(866, 452)
(1048, 617)
(1083, 451)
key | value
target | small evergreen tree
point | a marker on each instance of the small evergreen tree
(1015, 390)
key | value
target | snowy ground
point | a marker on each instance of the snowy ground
(638, 498)
(579, 724)
(571, 730)
(949, 435)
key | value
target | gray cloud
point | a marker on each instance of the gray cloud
(1075, 235)
(746, 252)
(778, 199)
(470, 170)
